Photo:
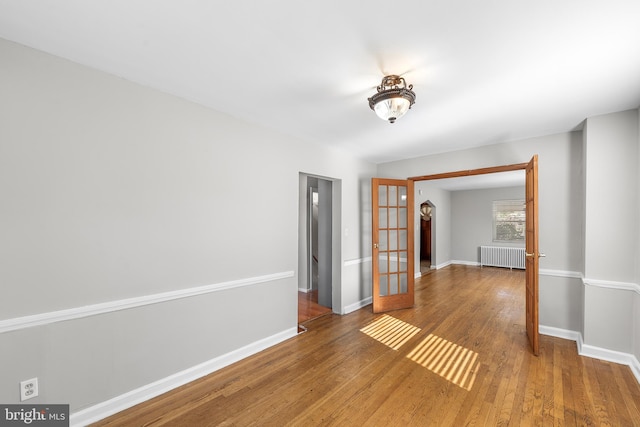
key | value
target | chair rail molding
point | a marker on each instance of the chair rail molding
(40, 319)
(610, 284)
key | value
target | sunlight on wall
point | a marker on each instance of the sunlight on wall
(390, 331)
(448, 360)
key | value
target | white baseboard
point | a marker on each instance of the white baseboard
(358, 305)
(119, 403)
(418, 274)
(443, 265)
(595, 352)
(461, 262)
(543, 272)
(562, 333)
(613, 356)
(635, 368)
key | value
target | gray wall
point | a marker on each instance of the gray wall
(611, 180)
(636, 315)
(440, 222)
(611, 234)
(111, 192)
(636, 325)
(472, 220)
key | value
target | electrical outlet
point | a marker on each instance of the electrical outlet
(28, 389)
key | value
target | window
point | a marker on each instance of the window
(508, 220)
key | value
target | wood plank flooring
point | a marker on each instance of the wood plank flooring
(308, 307)
(461, 359)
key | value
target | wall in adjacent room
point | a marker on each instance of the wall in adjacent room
(472, 220)
(425, 191)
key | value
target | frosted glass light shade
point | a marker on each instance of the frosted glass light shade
(392, 108)
(394, 98)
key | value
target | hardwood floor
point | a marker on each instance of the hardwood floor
(460, 357)
(425, 267)
(308, 307)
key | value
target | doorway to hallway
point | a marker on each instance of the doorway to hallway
(427, 212)
(319, 246)
(308, 307)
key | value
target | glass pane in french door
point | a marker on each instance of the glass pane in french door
(392, 229)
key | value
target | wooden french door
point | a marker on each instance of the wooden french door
(532, 253)
(392, 238)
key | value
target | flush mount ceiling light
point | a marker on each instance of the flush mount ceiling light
(394, 98)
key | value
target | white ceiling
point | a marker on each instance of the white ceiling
(483, 71)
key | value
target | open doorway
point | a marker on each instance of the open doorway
(532, 253)
(319, 227)
(427, 219)
(319, 247)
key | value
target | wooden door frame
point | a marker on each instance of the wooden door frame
(484, 171)
(471, 172)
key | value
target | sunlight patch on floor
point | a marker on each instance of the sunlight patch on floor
(448, 360)
(390, 331)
